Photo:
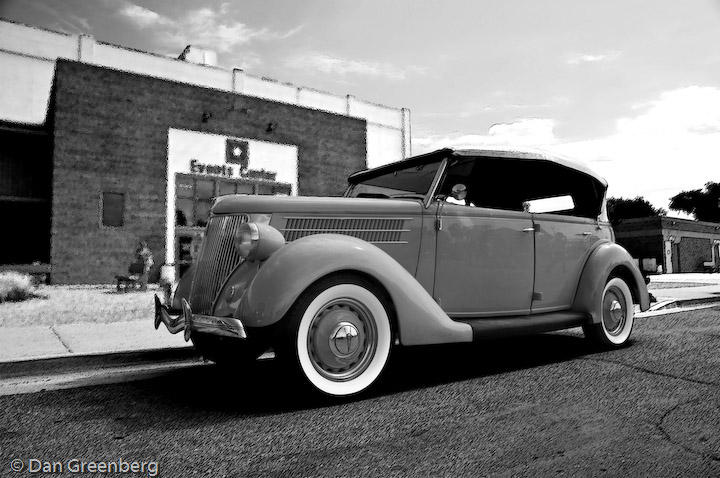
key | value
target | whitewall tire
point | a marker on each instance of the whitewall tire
(617, 316)
(340, 334)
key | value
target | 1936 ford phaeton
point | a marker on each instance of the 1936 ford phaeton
(450, 246)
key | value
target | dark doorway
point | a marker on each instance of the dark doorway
(25, 195)
(676, 258)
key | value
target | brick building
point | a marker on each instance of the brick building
(678, 245)
(102, 146)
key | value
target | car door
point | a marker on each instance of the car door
(484, 261)
(562, 245)
(484, 258)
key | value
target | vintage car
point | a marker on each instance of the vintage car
(446, 247)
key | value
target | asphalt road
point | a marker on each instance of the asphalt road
(545, 405)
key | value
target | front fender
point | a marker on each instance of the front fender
(294, 267)
(182, 291)
(602, 261)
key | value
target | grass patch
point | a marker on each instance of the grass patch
(62, 304)
(16, 287)
(675, 285)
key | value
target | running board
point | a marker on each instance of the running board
(496, 327)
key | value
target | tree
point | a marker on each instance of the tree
(704, 205)
(621, 208)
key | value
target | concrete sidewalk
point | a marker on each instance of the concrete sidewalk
(698, 277)
(84, 339)
(20, 342)
(695, 286)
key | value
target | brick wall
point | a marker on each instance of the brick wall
(693, 251)
(110, 134)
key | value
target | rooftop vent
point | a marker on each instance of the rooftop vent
(200, 56)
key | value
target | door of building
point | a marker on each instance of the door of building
(676, 257)
(25, 197)
(194, 195)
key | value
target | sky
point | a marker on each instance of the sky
(631, 88)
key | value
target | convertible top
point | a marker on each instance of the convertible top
(514, 153)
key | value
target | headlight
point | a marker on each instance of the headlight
(257, 242)
(247, 239)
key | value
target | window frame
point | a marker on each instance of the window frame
(123, 195)
(217, 181)
(547, 164)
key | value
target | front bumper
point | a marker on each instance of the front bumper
(189, 322)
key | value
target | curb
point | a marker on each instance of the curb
(680, 305)
(80, 363)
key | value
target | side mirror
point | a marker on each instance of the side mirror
(459, 192)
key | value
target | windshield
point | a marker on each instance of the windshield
(413, 182)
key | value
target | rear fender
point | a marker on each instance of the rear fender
(606, 258)
(294, 267)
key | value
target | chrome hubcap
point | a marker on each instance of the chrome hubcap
(614, 313)
(342, 339)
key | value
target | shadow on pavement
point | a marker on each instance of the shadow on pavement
(265, 387)
(434, 365)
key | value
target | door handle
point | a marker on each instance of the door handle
(585, 234)
(529, 229)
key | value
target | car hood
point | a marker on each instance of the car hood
(241, 203)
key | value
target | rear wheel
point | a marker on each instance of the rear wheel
(617, 316)
(338, 335)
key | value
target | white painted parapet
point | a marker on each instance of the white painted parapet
(27, 64)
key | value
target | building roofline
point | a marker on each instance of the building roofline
(35, 27)
(203, 87)
(664, 219)
(214, 67)
(690, 221)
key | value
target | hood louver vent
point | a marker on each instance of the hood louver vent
(378, 230)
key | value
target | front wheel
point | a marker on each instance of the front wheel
(338, 335)
(617, 316)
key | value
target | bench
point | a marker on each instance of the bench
(125, 283)
(133, 280)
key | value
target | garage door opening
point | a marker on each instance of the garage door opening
(25, 198)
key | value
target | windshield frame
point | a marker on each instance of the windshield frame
(427, 197)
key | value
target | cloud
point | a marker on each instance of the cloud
(204, 26)
(579, 58)
(672, 144)
(525, 132)
(688, 110)
(340, 66)
(65, 21)
(143, 17)
(247, 60)
(477, 108)
(211, 28)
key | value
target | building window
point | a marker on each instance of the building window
(194, 196)
(113, 209)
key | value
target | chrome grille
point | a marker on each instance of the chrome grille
(218, 258)
(379, 230)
